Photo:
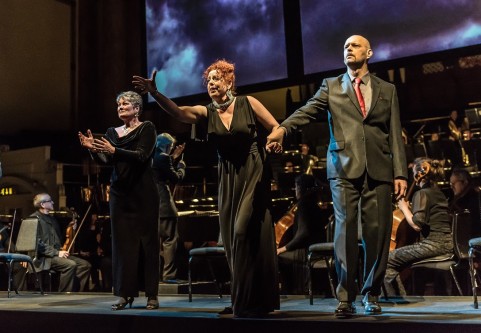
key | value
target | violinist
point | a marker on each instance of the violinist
(307, 229)
(50, 254)
(429, 216)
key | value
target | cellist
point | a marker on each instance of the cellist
(429, 216)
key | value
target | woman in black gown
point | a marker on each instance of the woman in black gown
(237, 126)
(134, 201)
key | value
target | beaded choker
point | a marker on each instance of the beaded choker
(226, 104)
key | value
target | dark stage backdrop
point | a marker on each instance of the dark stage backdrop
(183, 37)
(395, 28)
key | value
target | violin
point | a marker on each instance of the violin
(71, 233)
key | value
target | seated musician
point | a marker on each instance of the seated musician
(307, 229)
(429, 216)
(94, 245)
(466, 196)
(308, 160)
(50, 256)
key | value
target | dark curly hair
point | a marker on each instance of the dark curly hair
(432, 171)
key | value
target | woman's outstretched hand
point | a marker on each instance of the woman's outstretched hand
(144, 85)
(86, 141)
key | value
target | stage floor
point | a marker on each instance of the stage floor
(84, 312)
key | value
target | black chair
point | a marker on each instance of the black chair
(474, 249)
(325, 252)
(26, 246)
(209, 254)
(462, 231)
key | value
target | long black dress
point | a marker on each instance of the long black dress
(134, 209)
(245, 221)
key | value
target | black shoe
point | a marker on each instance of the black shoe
(345, 309)
(123, 303)
(226, 310)
(371, 305)
(152, 303)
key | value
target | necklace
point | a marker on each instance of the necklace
(128, 129)
(226, 104)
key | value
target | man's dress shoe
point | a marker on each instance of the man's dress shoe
(345, 309)
(371, 305)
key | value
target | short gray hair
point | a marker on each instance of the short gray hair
(39, 199)
(133, 98)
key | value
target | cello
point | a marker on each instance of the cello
(282, 227)
(401, 233)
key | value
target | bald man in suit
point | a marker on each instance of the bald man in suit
(365, 160)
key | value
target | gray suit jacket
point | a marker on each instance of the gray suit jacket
(356, 144)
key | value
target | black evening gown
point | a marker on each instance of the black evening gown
(134, 209)
(245, 220)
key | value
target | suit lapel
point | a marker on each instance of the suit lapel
(376, 90)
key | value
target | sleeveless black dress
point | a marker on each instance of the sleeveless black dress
(245, 220)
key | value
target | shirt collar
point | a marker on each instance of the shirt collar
(365, 78)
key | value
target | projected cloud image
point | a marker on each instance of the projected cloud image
(185, 36)
(395, 28)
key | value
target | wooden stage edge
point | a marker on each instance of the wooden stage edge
(90, 312)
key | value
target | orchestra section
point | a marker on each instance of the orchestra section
(75, 188)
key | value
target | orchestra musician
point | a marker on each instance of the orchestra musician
(307, 229)
(94, 245)
(455, 134)
(50, 256)
(429, 216)
(167, 173)
(308, 160)
(466, 195)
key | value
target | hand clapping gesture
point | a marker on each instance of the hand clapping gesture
(101, 145)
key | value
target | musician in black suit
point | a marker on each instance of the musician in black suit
(50, 256)
(365, 159)
(167, 173)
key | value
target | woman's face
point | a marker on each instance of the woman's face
(217, 87)
(126, 109)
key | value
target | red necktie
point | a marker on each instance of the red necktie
(357, 89)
